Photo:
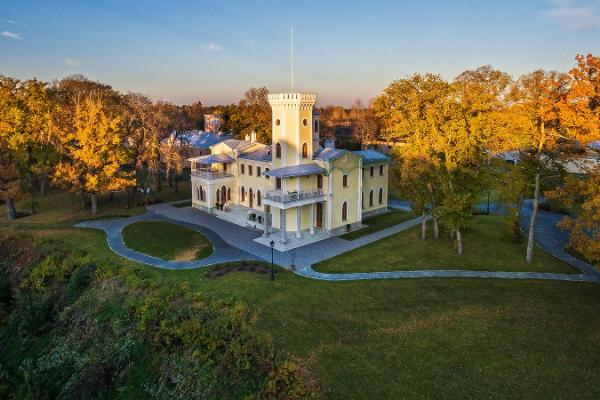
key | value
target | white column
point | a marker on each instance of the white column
(282, 225)
(266, 221)
(312, 219)
(298, 224)
(209, 195)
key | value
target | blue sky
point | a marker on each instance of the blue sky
(212, 51)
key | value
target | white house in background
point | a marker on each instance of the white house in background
(295, 191)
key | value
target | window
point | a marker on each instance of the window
(380, 195)
(344, 211)
(225, 167)
(228, 194)
(242, 169)
(267, 170)
(258, 198)
(278, 183)
(243, 192)
(372, 170)
(316, 125)
(304, 150)
(305, 122)
(319, 181)
(345, 180)
(198, 193)
(258, 171)
(277, 122)
(249, 169)
(362, 200)
(218, 195)
(371, 198)
(278, 150)
(381, 170)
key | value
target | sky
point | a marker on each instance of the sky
(213, 51)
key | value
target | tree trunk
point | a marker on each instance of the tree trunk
(129, 190)
(176, 186)
(94, 203)
(459, 242)
(30, 187)
(82, 199)
(517, 221)
(532, 221)
(424, 226)
(11, 213)
(43, 185)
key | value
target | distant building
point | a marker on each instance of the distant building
(195, 143)
(212, 123)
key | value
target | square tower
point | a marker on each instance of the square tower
(293, 128)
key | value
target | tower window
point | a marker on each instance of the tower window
(305, 122)
(372, 171)
(381, 170)
(278, 150)
(304, 150)
(345, 180)
(277, 122)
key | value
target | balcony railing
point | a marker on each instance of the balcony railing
(210, 173)
(286, 197)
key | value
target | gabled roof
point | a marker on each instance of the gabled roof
(235, 144)
(296, 170)
(329, 154)
(212, 159)
(372, 156)
(206, 139)
(262, 154)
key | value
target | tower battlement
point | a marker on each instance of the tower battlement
(279, 98)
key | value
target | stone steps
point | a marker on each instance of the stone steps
(292, 241)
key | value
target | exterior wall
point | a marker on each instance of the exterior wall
(348, 164)
(375, 183)
(253, 182)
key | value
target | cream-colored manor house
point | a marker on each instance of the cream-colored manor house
(296, 191)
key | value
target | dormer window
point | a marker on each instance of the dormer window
(278, 150)
(304, 150)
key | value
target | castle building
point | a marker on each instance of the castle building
(295, 191)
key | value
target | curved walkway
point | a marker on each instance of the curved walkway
(222, 252)
(235, 243)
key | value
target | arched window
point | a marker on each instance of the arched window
(304, 150)
(372, 169)
(218, 196)
(380, 195)
(381, 170)
(344, 211)
(250, 197)
(243, 192)
(228, 194)
(258, 198)
(198, 193)
(278, 150)
(371, 198)
(223, 194)
(362, 200)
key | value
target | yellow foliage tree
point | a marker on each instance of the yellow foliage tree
(94, 150)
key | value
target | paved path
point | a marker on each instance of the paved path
(233, 242)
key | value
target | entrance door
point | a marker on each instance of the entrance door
(223, 194)
(319, 215)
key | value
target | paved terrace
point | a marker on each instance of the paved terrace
(234, 243)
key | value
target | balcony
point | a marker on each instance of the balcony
(281, 199)
(210, 174)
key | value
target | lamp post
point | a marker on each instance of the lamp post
(272, 270)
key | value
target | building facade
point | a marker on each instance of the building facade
(296, 191)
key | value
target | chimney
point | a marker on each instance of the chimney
(247, 138)
(330, 143)
(253, 136)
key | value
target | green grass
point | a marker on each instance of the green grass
(379, 222)
(183, 204)
(488, 246)
(166, 240)
(432, 338)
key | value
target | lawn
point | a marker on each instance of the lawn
(434, 338)
(167, 241)
(488, 247)
(379, 222)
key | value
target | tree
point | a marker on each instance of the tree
(366, 127)
(94, 150)
(171, 155)
(536, 109)
(253, 113)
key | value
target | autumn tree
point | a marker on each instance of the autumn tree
(253, 114)
(172, 157)
(94, 150)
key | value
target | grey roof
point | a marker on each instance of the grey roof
(329, 154)
(200, 139)
(372, 156)
(296, 170)
(212, 159)
(236, 144)
(262, 154)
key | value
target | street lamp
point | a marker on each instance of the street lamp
(272, 270)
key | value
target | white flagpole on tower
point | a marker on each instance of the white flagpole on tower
(292, 57)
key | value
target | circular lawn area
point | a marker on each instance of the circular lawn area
(167, 241)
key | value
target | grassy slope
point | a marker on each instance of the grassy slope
(488, 246)
(379, 222)
(415, 338)
(167, 241)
